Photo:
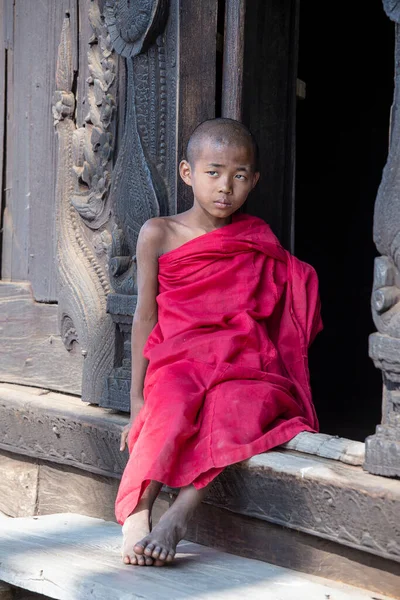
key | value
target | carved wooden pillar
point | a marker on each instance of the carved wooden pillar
(85, 148)
(156, 40)
(383, 449)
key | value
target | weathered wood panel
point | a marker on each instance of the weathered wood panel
(2, 103)
(63, 489)
(31, 349)
(18, 485)
(61, 429)
(31, 487)
(197, 74)
(30, 232)
(79, 558)
(253, 538)
(6, 592)
(321, 497)
(6, 253)
(232, 82)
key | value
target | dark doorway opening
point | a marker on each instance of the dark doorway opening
(347, 63)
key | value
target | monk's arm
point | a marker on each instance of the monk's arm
(145, 318)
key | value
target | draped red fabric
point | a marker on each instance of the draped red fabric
(228, 371)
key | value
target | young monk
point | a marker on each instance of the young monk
(220, 335)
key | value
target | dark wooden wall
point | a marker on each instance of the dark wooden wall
(29, 238)
(269, 107)
(31, 349)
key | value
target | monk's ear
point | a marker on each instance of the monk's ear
(256, 177)
(185, 172)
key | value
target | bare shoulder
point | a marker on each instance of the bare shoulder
(152, 234)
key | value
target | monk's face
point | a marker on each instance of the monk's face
(222, 177)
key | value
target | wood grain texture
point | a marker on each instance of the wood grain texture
(268, 86)
(34, 487)
(7, 234)
(18, 485)
(232, 78)
(61, 429)
(2, 104)
(71, 557)
(197, 72)
(6, 592)
(30, 227)
(253, 538)
(318, 496)
(31, 349)
(328, 446)
(64, 489)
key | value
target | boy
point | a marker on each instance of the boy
(219, 343)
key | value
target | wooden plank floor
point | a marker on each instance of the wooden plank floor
(73, 557)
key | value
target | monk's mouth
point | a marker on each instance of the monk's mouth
(220, 204)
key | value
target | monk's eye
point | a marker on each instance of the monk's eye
(212, 173)
(240, 177)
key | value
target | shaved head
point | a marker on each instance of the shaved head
(221, 132)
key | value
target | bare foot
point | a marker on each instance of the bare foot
(135, 527)
(161, 543)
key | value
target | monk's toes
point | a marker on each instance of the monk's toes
(140, 547)
(148, 561)
(141, 560)
(156, 552)
(162, 555)
(166, 557)
(130, 559)
(148, 551)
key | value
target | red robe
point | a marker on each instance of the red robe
(228, 374)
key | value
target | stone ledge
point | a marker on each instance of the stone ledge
(318, 496)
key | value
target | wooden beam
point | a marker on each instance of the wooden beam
(254, 538)
(232, 77)
(31, 350)
(197, 74)
(18, 485)
(70, 556)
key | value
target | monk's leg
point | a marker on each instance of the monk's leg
(161, 543)
(137, 525)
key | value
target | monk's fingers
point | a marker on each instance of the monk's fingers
(123, 441)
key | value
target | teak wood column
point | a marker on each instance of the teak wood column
(383, 449)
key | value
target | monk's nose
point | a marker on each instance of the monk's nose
(226, 186)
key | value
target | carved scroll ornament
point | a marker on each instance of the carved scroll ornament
(141, 183)
(82, 205)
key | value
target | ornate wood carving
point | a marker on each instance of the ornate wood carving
(383, 448)
(143, 183)
(83, 204)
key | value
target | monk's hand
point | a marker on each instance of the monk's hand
(136, 405)
(124, 435)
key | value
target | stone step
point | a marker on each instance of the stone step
(74, 557)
